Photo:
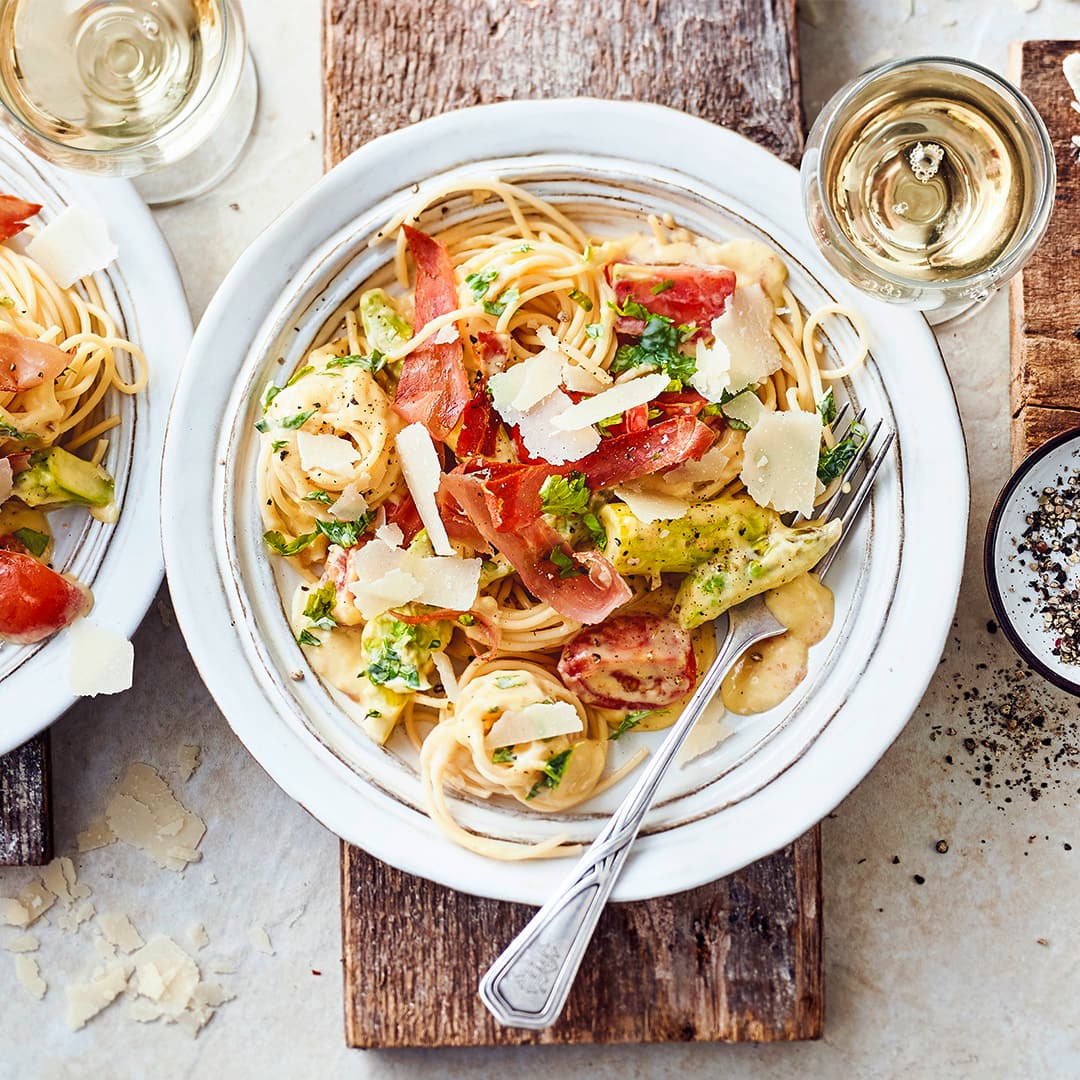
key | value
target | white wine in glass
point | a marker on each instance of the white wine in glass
(130, 87)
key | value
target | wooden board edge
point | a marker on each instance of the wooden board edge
(26, 833)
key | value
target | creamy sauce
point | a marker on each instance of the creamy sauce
(767, 672)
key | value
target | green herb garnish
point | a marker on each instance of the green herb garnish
(9, 432)
(629, 721)
(320, 607)
(506, 682)
(662, 286)
(297, 421)
(826, 407)
(481, 281)
(834, 461)
(501, 302)
(658, 344)
(35, 542)
(554, 770)
(281, 546)
(306, 637)
(373, 363)
(278, 444)
(307, 369)
(568, 497)
(269, 393)
(318, 495)
(387, 667)
(504, 755)
(583, 300)
(594, 330)
(346, 533)
(564, 564)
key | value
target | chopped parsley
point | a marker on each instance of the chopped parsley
(501, 302)
(373, 363)
(564, 564)
(583, 300)
(387, 666)
(521, 250)
(318, 495)
(467, 619)
(35, 542)
(480, 282)
(320, 607)
(281, 546)
(594, 330)
(658, 344)
(505, 682)
(307, 369)
(504, 755)
(568, 497)
(662, 286)
(629, 721)
(554, 771)
(826, 407)
(269, 394)
(278, 444)
(297, 421)
(346, 533)
(834, 461)
(306, 637)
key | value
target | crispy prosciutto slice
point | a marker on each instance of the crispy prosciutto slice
(433, 389)
(588, 596)
(480, 424)
(511, 491)
(35, 601)
(405, 516)
(629, 457)
(691, 295)
(26, 363)
(13, 214)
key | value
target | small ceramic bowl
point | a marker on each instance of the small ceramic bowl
(1012, 580)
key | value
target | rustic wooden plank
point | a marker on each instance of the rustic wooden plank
(732, 61)
(1044, 311)
(737, 960)
(740, 959)
(25, 821)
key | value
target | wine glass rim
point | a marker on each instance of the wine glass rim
(1019, 247)
(231, 24)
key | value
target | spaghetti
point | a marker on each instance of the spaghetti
(599, 468)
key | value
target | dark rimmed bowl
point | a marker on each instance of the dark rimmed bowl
(1010, 581)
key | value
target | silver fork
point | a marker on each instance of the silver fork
(528, 985)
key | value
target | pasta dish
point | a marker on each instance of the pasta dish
(528, 474)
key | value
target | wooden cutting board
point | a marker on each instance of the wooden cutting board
(740, 959)
(25, 819)
(1045, 296)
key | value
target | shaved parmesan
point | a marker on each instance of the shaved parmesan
(260, 940)
(118, 930)
(165, 974)
(542, 720)
(707, 734)
(69, 921)
(12, 913)
(350, 504)
(576, 378)
(29, 975)
(188, 758)
(22, 943)
(422, 471)
(710, 466)
(611, 402)
(526, 384)
(447, 335)
(86, 1000)
(36, 899)
(198, 936)
(447, 675)
(326, 453)
(743, 352)
(5, 478)
(96, 835)
(100, 661)
(389, 576)
(391, 535)
(745, 407)
(543, 440)
(1071, 68)
(649, 506)
(780, 459)
(73, 245)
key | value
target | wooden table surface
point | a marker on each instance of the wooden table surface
(740, 959)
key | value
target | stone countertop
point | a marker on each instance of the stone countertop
(939, 964)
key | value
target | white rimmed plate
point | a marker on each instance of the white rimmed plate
(896, 583)
(122, 563)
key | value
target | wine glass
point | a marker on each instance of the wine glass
(929, 182)
(163, 90)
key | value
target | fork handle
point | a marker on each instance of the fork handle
(528, 985)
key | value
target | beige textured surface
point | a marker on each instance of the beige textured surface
(939, 980)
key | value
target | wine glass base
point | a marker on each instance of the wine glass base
(205, 167)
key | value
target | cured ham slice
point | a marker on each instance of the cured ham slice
(688, 295)
(35, 601)
(629, 457)
(13, 214)
(589, 595)
(26, 363)
(434, 388)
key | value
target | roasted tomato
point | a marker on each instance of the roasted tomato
(630, 662)
(36, 601)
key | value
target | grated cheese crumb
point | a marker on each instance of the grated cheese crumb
(71, 919)
(29, 974)
(198, 936)
(22, 943)
(260, 940)
(12, 913)
(96, 835)
(188, 759)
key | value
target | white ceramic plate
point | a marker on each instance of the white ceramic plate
(896, 583)
(122, 562)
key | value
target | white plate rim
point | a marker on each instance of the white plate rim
(132, 567)
(231, 317)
